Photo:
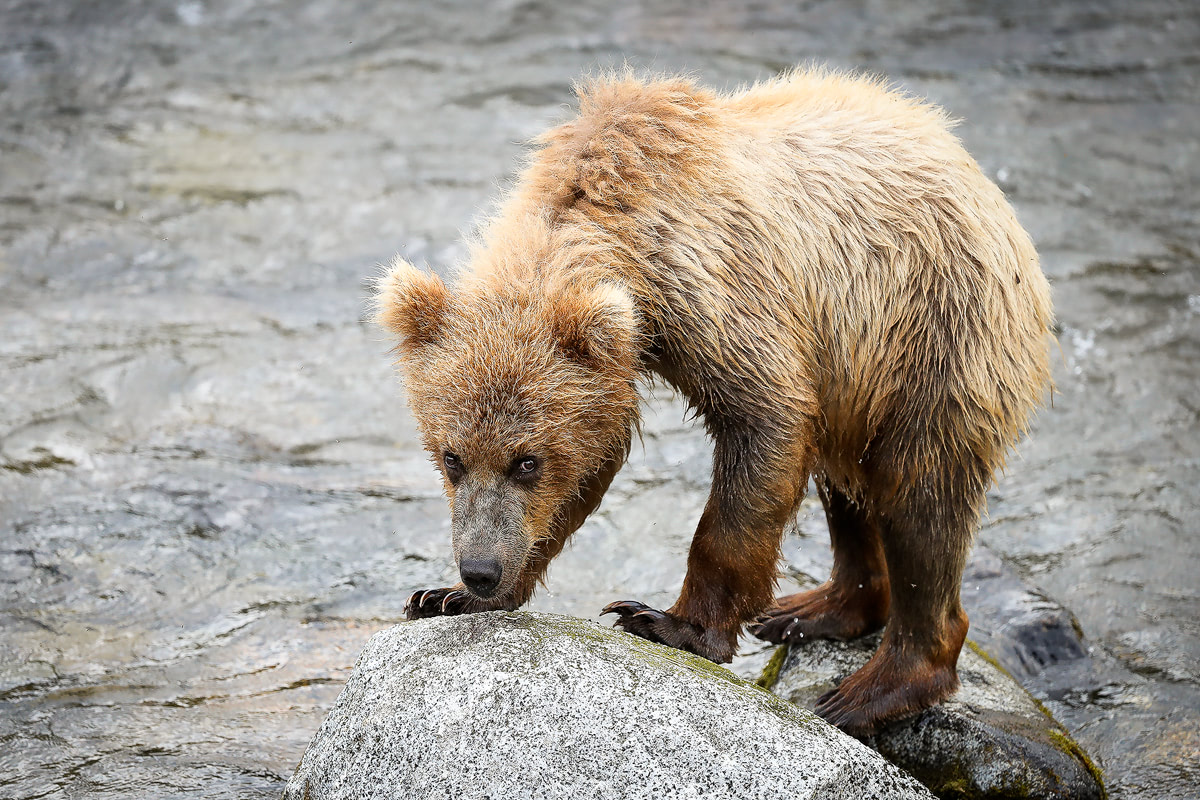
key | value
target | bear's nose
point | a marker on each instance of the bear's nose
(481, 575)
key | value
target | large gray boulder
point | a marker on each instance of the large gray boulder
(517, 705)
(990, 740)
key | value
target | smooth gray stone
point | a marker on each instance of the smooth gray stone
(521, 705)
(990, 740)
(1017, 624)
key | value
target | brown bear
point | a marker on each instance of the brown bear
(839, 292)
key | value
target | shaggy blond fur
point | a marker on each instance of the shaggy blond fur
(823, 271)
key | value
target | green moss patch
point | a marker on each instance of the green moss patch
(770, 673)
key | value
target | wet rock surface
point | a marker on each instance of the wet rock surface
(539, 705)
(990, 740)
(210, 490)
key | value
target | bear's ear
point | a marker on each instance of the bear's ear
(596, 327)
(411, 303)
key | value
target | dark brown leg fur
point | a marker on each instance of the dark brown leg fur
(731, 563)
(458, 600)
(926, 536)
(719, 584)
(902, 678)
(854, 601)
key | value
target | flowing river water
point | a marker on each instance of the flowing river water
(211, 492)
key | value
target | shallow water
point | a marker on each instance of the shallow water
(210, 488)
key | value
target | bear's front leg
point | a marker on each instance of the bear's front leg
(757, 482)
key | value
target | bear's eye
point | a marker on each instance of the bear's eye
(525, 467)
(453, 464)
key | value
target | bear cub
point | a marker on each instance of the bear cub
(823, 272)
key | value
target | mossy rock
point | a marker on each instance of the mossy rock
(537, 705)
(990, 741)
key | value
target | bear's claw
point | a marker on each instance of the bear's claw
(631, 608)
(664, 628)
(829, 611)
(638, 619)
(437, 603)
(850, 714)
(887, 688)
(778, 629)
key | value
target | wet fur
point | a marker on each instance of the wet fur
(826, 275)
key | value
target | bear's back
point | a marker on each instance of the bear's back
(818, 238)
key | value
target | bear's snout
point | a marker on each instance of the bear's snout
(481, 575)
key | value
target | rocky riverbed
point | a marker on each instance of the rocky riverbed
(211, 493)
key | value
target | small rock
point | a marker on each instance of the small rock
(1014, 623)
(990, 740)
(503, 705)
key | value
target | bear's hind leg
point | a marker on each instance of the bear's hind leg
(926, 537)
(854, 601)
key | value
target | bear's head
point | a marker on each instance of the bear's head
(522, 392)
